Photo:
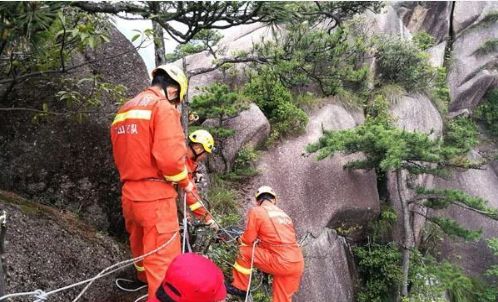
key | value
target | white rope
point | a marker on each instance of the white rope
(248, 289)
(185, 224)
(141, 298)
(33, 293)
(41, 296)
(124, 264)
(221, 228)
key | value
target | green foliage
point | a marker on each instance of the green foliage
(441, 92)
(315, 57)
(380, 229)
(493, 245)
(423, 40)
(488, 47)
(432, 281)
(461, 135)
(402, 62)
(218, 102)
(275, 100)
(385, 147)
(388, 148)
(379, 266)
(223, 201)
(41, 36)
(206, 39)
(442, 198)
(487, 112)
(452, 228)
(243, 166)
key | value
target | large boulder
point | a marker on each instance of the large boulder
(472, 72)
(251, 129)
(327, 256)
(431, 17)
(474, 257)
(47, 249)
(68, 162)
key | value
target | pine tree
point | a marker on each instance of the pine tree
(387, 148)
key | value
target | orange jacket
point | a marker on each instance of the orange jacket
(149, 147)
(193, 197)
(274, 229)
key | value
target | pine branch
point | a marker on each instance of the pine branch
(224, 61)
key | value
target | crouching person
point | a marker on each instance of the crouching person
(277, 252)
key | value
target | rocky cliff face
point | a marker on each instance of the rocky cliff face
(319, 195)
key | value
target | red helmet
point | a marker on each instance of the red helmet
(192, 278)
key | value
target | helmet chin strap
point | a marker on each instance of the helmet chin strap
(263, 200)
(196, 156)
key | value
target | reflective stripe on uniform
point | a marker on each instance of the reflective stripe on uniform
(241, 269)
(139, 268)
(133, 114)
(195, 206)
(273, 213)
(176, 178)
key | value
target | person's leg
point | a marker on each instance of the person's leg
(287, 281)
(157, 264)
(263, 260)
(135, 233)
(160, 224)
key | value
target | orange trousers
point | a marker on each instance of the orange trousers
(286, 275)
(150, 224)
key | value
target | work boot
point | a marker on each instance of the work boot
(232, 290)
(128, 285)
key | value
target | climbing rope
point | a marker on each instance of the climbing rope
(141, 298)
(248, 289)
(185, 243)
(41, 295)
(221, 228)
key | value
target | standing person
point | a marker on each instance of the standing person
(192, 278)
(277, 252)
(201, 143)
(150, 154)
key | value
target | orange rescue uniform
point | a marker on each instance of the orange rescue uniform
(193, 197)
(277, 253)
(149, 151)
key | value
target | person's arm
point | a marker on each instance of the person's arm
(252, 228)
(168, 147)
(197, 206)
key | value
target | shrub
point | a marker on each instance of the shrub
(275, 100)
(402, 62)
(487, 112)
(380, 268)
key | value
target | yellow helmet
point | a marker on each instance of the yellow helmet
(204, 138)
(177, 75)
(265, 189)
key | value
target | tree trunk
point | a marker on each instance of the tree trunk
(159, 49)
(408, 242)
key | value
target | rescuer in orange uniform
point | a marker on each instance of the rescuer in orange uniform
(277, 252)
(201, 143)
(150, 153)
